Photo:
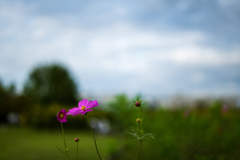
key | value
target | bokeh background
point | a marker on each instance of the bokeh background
(181, 57)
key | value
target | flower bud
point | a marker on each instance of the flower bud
(138, 120)
(76, 139)
(137, 104)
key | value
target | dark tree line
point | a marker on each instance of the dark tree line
(51, 83)
(46, 84)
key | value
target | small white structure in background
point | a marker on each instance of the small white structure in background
(100, 125)
(13, 118)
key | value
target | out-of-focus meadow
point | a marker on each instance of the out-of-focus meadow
(180, 57)
(203, 129)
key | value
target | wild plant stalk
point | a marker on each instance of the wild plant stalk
(66, 149)
(76, 140)
(139, 121)
(141, 131)
(93, 138)
(77, 151)
(139, 149)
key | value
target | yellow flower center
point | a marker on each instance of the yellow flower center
(83, 108)
(61, 115)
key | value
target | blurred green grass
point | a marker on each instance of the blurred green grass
(202, 134)
(29, 144)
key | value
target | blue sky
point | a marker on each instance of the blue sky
(153, 47)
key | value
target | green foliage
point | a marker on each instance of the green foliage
(135, 133)
(122, 112)
(207, 134)
(50, 84)
(7, 99)
(29, 144)
(43, 117)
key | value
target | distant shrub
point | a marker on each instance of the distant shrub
(207, 134)
(45, 117)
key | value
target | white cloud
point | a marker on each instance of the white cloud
(121, 49)
(198, 77)
(195, 55)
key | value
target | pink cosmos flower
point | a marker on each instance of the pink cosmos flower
(83, 107)
(62, 116)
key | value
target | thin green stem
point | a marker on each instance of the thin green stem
(139, 149)
(93, 138)
(141, 134)
(77, 150)
(65, 143)
(141, 123)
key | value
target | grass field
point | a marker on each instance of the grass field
(28, 144)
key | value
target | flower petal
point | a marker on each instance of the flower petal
(92, 104)
(71, 111)
(83, 112)
(74, 111)
(77, 112)
(63, 120)
(59, 116)
(83, 103)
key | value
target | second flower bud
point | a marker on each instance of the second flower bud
(138, 120)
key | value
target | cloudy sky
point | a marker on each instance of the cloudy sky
(153, 47)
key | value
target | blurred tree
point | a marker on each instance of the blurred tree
(123, 111)
(7, 96)
(50, 83)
